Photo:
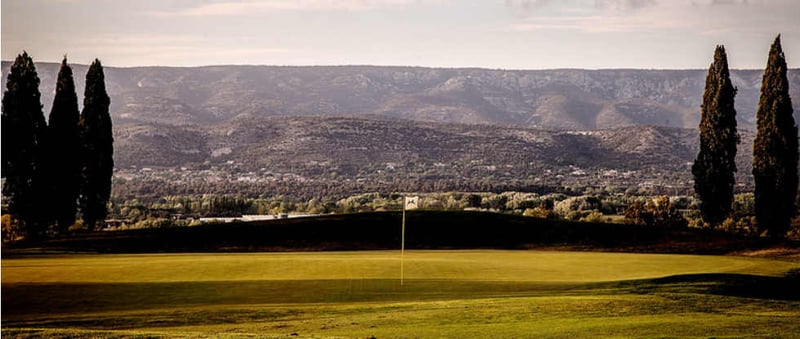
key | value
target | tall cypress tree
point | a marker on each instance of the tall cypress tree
(775, 149)
(97, 148)
(64, 167)
(715, 165)
(23, 133)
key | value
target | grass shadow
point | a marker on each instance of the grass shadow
(783, 288)
(127, 306)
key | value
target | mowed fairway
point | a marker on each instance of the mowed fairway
(476, 293)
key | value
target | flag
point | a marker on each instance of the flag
(411, 203)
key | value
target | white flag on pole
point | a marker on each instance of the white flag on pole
(411, 203)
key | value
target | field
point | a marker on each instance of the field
(465, 293)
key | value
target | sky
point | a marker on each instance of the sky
(500, 34)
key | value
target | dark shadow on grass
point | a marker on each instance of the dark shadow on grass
(785, 288)
(166, 304)
(46, 299)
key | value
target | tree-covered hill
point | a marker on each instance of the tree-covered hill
(363, 154)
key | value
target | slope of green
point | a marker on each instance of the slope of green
(476, 293)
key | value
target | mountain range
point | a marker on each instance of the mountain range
(564, 99)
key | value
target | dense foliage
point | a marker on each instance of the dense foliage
(23, 137)
(602, 205)
(775, 151)
(46, 167)
(98, 148)
(715, 165)
(64, 150)
(660, 212)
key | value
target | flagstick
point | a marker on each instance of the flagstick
(403, 243)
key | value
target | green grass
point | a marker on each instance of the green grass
(475, 293)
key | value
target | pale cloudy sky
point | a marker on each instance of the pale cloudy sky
(509, 34)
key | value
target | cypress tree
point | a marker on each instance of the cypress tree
(775, 149)
(97, 148)
(64, 166)
(715, 165)
(23, 133)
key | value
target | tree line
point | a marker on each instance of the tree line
(775, 151)
(59, 170)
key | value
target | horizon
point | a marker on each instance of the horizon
(506, 35)
(86, 64)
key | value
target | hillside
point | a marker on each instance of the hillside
(566, 99)
(356, 154)
(283, 142)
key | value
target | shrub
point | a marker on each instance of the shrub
(582, 203)
(729, 225)
(161, 223)
(637, 213)
(540, 211)
(664, 213)
(594, 217)
(659, 212)
(574, 216)
(11, 229)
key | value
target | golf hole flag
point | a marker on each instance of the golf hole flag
(411, 203)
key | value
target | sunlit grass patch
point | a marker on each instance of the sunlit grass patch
(474, 293)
